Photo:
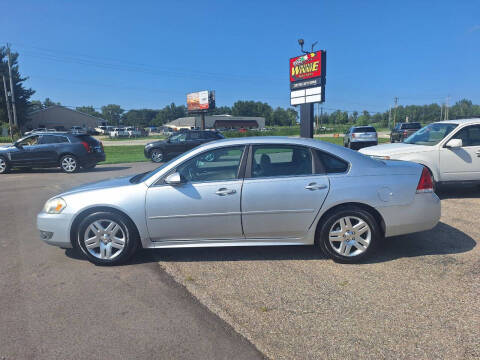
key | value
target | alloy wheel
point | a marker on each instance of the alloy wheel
(157, 156)
(3, 165)
(350, 236)
(104, 239)
(69, 164)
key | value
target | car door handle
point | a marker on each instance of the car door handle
(315, 186)
(225, 191)
(478, 153)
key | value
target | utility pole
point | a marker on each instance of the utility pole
(389, 117)
(446, 107)
(8, 107)
(12, 92)
(441, 113)
(395, 114)
(321, 116)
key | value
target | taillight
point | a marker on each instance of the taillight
(353, 136)
(425, 184)
(86, 146)
(101, 145)
(405, 133)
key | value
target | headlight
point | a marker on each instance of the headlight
(149, 145)
(55, 206)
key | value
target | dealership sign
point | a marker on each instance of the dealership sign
(201, 101)
(307, 78)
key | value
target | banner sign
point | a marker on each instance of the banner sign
(201, 101)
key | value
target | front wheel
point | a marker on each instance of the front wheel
(69, 164)
(4, 165)
(349, 234)
(107, 238)
(157, 156)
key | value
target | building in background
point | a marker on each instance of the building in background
(61, 118)
(218, 122)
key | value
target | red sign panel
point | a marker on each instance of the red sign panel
(306, 66)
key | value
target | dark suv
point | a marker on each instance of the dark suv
(66, 150)
(403, 130)
(178, 143)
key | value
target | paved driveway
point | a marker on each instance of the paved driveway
(54, 305)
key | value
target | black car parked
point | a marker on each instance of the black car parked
(66, 150)
(177, 144)
(403, 130)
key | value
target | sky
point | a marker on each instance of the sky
(147, 54)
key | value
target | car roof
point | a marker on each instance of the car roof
(462, 121)
(285, 140)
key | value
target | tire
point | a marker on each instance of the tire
(351, 246)
(4, 165)
(157, 156)
(107, 238)
(89, 166)
(69, 164)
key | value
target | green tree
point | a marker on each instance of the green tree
(253, 108)
(90, 110)
(22, 95)
(112, 113)
(47, 103)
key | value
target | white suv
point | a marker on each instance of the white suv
(449, 149)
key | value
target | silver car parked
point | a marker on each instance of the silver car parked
(247, 191)
(358, 137)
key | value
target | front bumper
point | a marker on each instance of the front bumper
(420, 215)
(55, 229)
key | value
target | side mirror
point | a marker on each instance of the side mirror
(17, 145)
(454, 143)
(174, 179)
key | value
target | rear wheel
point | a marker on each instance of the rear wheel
(107, 238)
(69, 164)
(4, 165)
(157, 156)
(349, 234)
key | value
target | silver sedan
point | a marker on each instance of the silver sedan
(247, 192)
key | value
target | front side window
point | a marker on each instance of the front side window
(469, 135)
(270, 161)
(29, 141)
(214, 165)
(177, 138)
(194, 136)
(430, 135)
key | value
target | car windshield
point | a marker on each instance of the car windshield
(431, 134)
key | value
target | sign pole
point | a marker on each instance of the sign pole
(306, 120)
(202, 126)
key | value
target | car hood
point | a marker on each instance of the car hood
(395, 149)
(104, 184)
(156, 143)
(6, 147)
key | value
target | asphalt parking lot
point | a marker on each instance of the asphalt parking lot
(418, 296)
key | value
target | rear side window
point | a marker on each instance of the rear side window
(364, 129)
(195, 136)
(87, 138)
(332, 164)
(271, 161)
(54, 139)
